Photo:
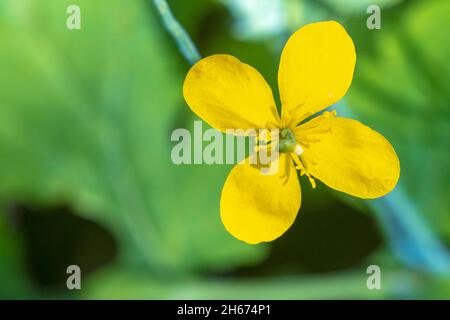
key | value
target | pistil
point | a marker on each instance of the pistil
(287, 142)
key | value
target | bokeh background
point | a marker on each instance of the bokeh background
(86, 177)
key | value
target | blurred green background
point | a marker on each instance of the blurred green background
(86, 177)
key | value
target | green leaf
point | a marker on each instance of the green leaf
(348, 285)
(86, 117)
(401, 89)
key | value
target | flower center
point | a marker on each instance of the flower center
(287, 143)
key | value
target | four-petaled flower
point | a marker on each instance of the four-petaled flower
(315, 71)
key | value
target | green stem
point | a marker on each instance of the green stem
(177, 32)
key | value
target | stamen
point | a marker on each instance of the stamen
(329, 114)
(294, 120)
(313, 182)
(315, 130)
(299, 166)
(312, 132)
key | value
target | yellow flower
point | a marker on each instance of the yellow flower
(315, 71)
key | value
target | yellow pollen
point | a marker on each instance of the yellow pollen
(299, 166)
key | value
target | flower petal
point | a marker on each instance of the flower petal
(316, 69)
(229, 94)
(255, 207)
(348, 156)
